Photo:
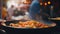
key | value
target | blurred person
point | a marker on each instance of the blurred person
(34, 10)
(10, 12)
(35, 13)
(4, 12)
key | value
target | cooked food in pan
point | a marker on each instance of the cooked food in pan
(29, 24)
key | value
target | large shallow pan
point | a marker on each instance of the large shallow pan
(11, 30)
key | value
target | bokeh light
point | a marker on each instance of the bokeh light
(45, 3)
(49, 2)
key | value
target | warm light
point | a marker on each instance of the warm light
(45, 4)
(14, 2)
(40, 3)
(25, 1)
(49, 2)
(11, 2)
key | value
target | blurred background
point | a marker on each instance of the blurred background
(52, 7)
